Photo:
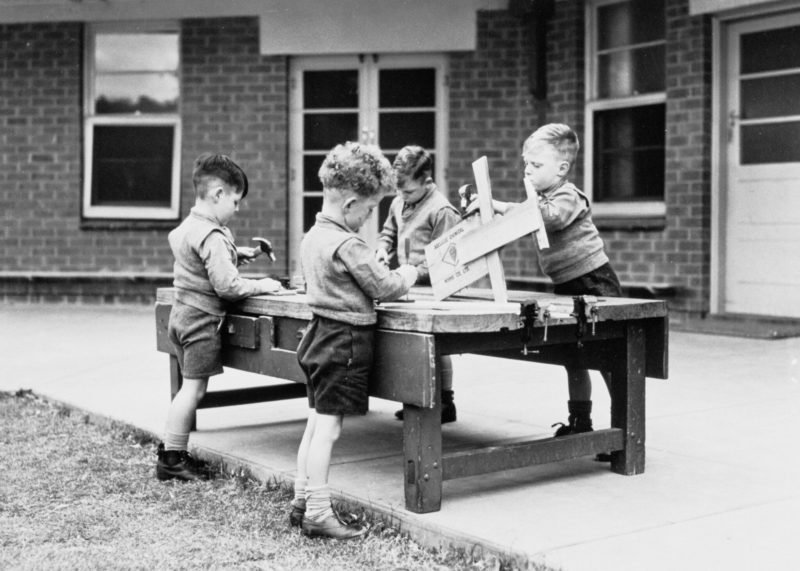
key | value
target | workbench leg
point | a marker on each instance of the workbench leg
(176, 382)
(627, 401)
(422, 452)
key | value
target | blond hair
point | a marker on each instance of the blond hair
(561, 137)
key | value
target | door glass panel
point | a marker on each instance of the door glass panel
(631, 72)
(771, 143)
(629, 154)
(407, 87)
(770, 50)
(626, 23)
(323, 131)
(311, 205)
(767, 97)
(330, 89)
(311, 164)
(400, 129)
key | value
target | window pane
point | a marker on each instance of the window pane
(629, 154)
(141, 92)
(631, 72)
(407, 87)
(323, 131)
(136, 52)
(311, 164)
(132, 165)
(400, 129)
(767, 97)
(774, 143)
(770, 50)
(330, 89)
(627, 23)
(311, 205)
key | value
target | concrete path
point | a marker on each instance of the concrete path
(721, 488)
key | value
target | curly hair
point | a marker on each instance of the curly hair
(360, 168)
(414, 162)
(218, 166)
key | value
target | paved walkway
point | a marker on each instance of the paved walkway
(720, 490)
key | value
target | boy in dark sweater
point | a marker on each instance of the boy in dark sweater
(342, 281)
(206, 279)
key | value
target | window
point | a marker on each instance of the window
(388, 100)
(132, 126)
(626, 109)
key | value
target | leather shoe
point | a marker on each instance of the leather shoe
(333, 528)
(179, 465)
(298, 513)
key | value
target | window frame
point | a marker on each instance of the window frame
(593, 104)
(92, 120)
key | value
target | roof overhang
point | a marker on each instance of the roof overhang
(293, 27)
(713, 6)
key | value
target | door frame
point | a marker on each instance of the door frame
(369, 111)
(720, 86)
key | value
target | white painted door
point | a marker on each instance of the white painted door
(387, 100)
(761, 200)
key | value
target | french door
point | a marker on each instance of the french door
(387, 100)
(760, 197)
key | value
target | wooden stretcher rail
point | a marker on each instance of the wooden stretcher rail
(625, 338)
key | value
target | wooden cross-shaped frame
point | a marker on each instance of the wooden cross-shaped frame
(468, 251)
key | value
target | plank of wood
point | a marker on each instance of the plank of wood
(448, 274)
(483, 184)
(520, 221)
(539, 235)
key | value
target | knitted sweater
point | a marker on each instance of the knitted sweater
(575, 244)
(205, 265)
(342, 277)
(409, 228)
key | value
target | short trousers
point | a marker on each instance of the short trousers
(336, 358)
(600, 282)
(197, 338)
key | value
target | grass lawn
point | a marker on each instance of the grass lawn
(78, 495)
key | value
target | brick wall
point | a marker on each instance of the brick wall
(234, 101)
(492, 112)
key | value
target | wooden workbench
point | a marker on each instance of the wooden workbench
(625, 338)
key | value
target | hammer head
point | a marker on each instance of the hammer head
(266, 247)
(467, 194)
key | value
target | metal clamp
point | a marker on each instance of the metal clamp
(584, 309)
(529, 312)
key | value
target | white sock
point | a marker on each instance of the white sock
(176, 441)
(299, 490)
(318, 503)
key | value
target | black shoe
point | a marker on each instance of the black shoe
(179, 465)
(332, 527)
(448, 408)
(298, 513)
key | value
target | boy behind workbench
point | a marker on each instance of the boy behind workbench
(342, 281)
(576, 260)
(206, 279)
(418, 215)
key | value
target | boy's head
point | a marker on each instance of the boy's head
(413, 167)
(220, 184)
(549, 154)
(354, 179)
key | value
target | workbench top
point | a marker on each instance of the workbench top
(472, 312)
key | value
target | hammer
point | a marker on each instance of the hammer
(266, 247)
(467, 194)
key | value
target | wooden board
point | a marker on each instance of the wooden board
(539, 235)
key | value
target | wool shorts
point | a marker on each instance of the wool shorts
(336, 358)
(600, 282)
(197, 338)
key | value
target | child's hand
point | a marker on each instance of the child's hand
(247, 255)
(382, 256)
(268, 285)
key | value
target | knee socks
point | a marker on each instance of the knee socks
(318, 503)
(299, 491)
(176, 441)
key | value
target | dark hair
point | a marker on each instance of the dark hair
(414, 162)
(221, 167)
